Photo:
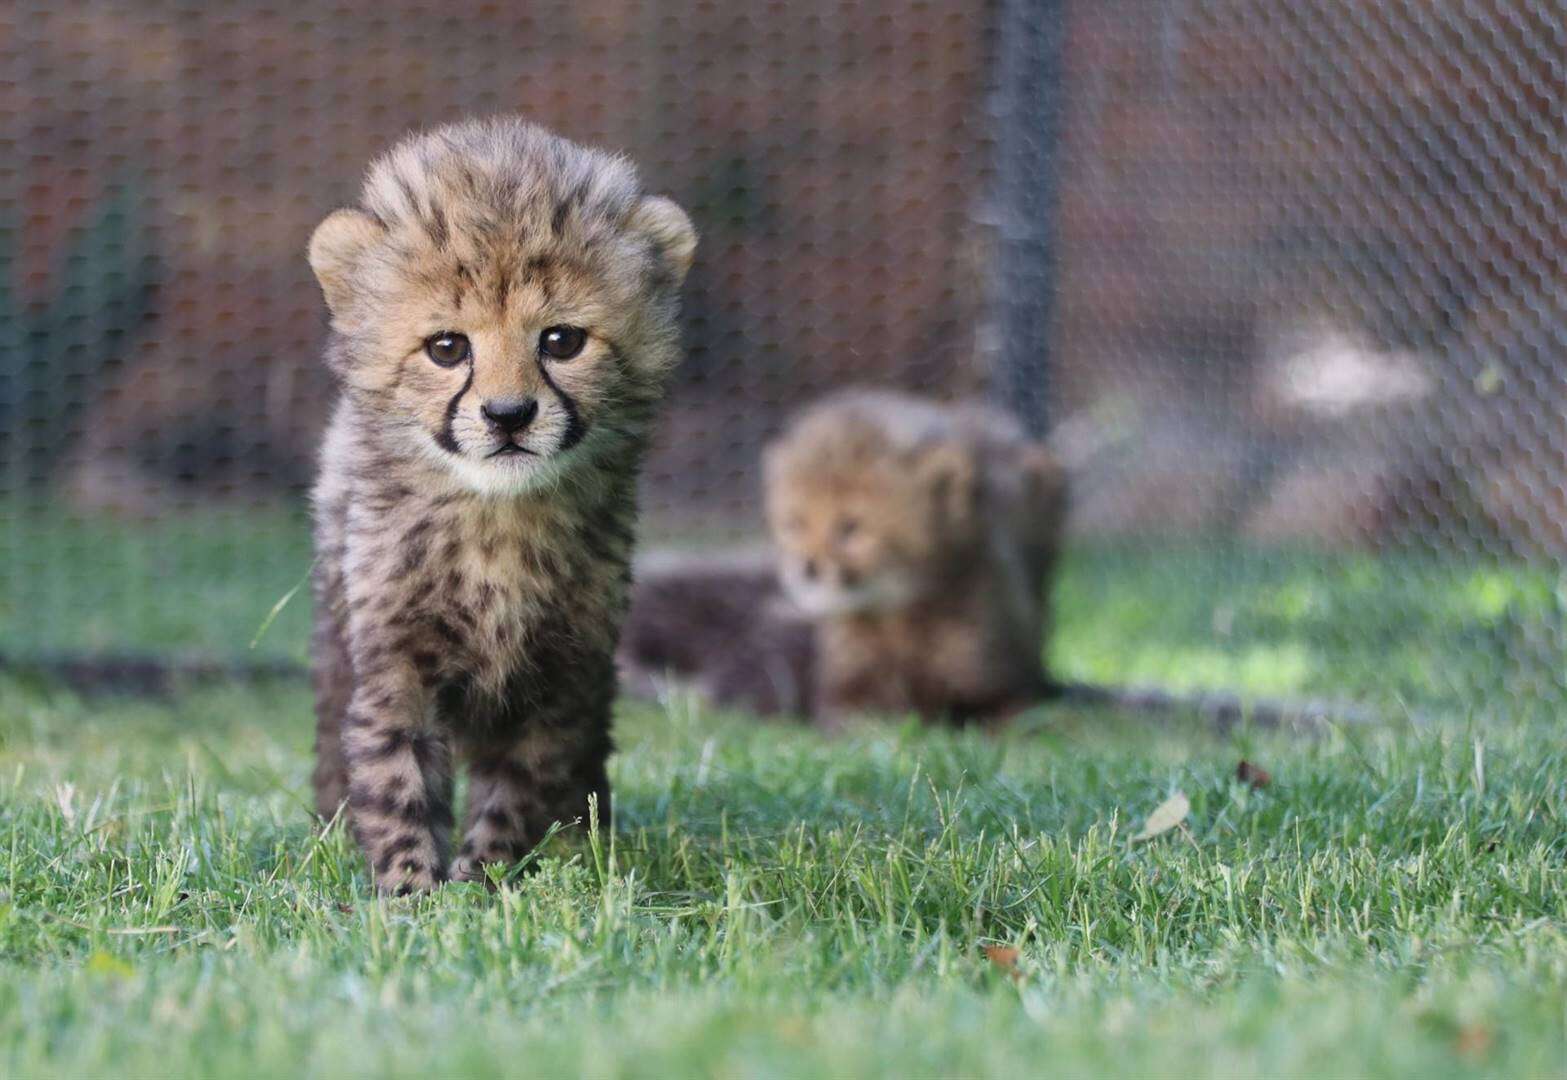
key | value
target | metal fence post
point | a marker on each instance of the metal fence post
(1027, 112)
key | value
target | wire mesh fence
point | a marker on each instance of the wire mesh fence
(1281, 282)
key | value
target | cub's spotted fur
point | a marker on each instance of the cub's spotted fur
(920, 539)
(503, 319)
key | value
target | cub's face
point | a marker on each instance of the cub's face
(505, 307)
(503, 391)
(875, 537)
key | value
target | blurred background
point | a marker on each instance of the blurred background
(1283, 284)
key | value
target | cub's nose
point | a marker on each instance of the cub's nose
(510, 414)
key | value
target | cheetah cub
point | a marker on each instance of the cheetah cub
(503, 310)
(920, 539)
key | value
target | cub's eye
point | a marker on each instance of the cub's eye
(847, 528)
(562, 342)
(447, 349)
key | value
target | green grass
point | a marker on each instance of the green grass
(199, 582)
(771, 902)
(1401, 631)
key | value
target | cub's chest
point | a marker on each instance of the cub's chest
(467, 584)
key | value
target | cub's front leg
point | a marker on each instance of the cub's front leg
(550, 770)
(399, 775)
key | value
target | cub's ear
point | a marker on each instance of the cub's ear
(950, 473)
(667, 228)
(336, 248)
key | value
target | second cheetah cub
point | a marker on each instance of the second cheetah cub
(920, 540)
(503, 311)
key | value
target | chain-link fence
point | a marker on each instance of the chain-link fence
(1281, 282)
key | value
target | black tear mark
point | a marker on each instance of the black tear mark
(576, 430)
(446, 440)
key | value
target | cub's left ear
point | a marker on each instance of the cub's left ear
(950, 473)
(667, 228)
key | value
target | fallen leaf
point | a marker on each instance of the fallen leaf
(1254, 775)
(1166, 816)
(1004, 957)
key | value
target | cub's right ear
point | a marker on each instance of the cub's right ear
(336, 248)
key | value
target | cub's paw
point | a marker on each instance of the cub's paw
(409, 876)
(471, 868)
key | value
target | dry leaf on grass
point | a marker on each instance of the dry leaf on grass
(1004, 957)
(1254, 775)
(1166, 816)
